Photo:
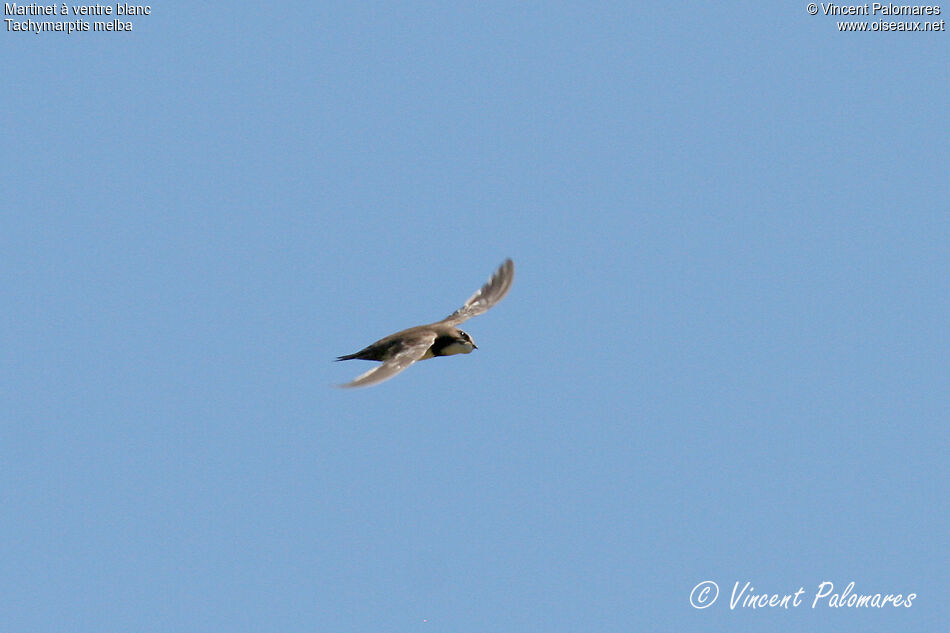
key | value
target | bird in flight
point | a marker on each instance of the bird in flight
(398, 351)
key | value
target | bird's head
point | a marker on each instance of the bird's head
(467, 340)
(461, 343)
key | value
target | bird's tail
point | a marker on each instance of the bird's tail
(348, 356)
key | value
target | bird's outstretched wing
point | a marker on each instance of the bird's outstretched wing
(411, 350)
(488, 295)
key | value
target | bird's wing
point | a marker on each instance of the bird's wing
(488, 295)
(411, 350)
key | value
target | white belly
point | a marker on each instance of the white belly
(458, 347)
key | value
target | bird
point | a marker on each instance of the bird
(442, 338)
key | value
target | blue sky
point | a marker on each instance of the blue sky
(724, 356)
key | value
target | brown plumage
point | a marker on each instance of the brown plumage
(398, 351)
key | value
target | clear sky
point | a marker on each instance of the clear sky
(724, 356)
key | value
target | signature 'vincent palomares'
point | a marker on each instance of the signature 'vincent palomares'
(398, 351)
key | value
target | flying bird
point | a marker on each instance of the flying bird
(398, 351)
